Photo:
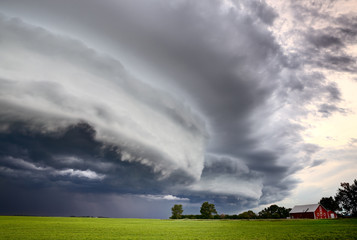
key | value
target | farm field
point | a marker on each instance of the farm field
(106, 228)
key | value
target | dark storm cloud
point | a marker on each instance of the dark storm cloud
(202, 123)
(73, 173)
(60, 202)
(74, 159)
(74, 148)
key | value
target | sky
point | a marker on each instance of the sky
(122, 108)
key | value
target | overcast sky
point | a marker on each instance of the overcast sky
(123, 108)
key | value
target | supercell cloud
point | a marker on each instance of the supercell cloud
(108, 105)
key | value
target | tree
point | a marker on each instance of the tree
(176, 211)
(247, 215)
(347, 198)
(330, 203)
(207, 209)
(274, 211)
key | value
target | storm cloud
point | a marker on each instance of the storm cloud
(154, 102)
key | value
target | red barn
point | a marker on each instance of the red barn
(313, 211)
(331, 214)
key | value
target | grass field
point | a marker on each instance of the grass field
(105, 228)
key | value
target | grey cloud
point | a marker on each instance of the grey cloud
(274, 193)
(337, 61)
(334, 92)
(353, 141)
(341, 62)
(327, 109)
(348, 27)
(108, 69)
(324, 41)
(308, 10)
(309, 88)
(224, 165)
(318, 162)
(265, 12)
(313, 88)
(325, 44)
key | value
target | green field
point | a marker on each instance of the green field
(107, 228)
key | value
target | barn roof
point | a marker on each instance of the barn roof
(304, 208)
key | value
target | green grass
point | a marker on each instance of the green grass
(105, 228)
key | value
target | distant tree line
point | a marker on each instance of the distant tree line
(208, 211)
(345, 202)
